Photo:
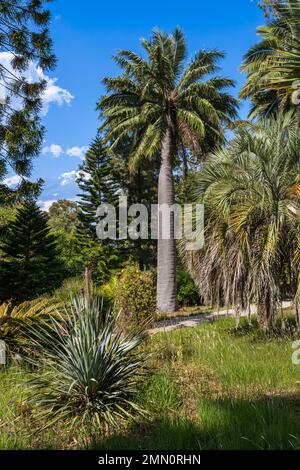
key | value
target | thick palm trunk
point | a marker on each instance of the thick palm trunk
(166, 256)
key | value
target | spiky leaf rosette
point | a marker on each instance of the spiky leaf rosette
(90, 371)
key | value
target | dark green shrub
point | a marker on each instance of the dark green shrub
(135, 294)
(187, 293)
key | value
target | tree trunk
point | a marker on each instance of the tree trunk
(166, 253)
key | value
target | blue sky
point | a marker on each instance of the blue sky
(86, 34)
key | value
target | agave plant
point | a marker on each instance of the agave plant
(89, 370)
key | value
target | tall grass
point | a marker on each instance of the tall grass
(208, 390)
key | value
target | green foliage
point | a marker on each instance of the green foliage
(77, 247)
(103, 178)
(272, 65)
(135, 295)
(30, 263)
(71, 287)
(14, 322)
(187, 293)
(64, 215)
(164, 105)
(78, 252)
(251, 196)
(7, 215)
(99, 182)
(24, 37)
(90, 371)
(207, 390)
(162, 86)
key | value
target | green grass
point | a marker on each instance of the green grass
(208, 389)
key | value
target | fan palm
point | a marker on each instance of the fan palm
(273, 64)
(251, 194)
(164, 104)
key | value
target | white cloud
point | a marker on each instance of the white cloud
(68, 177)
(84, 175)
(52, 94)
(53, 149)
(56, 151)
(12, 181)
(77, 152)
(45, 205)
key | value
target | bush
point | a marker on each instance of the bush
(90, 370)
(187, 293)
(72, 286)
(135, 295)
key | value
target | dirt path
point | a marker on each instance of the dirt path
(194, 320)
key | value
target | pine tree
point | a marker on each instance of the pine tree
(24, 38)
(99, 181)
(30, 263)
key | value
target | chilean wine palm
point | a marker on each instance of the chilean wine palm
(273, 64)
(251, 195)
(165, 104)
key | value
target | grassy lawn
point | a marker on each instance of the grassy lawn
(208, 390)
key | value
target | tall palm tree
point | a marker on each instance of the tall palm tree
(164, 104)
(251, 192)
(273, 64)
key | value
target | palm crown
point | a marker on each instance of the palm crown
(273, 64)
(160, 90)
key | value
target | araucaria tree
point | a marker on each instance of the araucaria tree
(29, 264)
(24, 39)
(98, 183)
(164, 104)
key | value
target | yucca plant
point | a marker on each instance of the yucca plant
(89, 370)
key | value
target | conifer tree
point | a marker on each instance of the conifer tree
(103, 177)
(99, 182)
(24, 38)
(30, 263)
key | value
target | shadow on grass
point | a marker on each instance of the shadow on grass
(284, 328)
(234, 424)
